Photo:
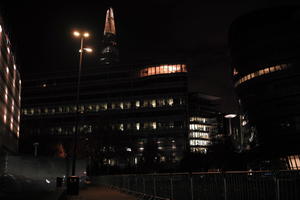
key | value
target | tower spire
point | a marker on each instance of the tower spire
(109, 53)
(110, 22)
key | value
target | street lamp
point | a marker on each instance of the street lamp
(229, 117)
(82, 36)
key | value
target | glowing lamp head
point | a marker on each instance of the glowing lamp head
(76, 33)
(229, 116)
(90, 50)
(86, 35)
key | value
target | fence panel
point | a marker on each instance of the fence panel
(261, 185)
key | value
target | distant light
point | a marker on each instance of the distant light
(86, 34)
(8, 50)
(76, 33)
(44, 85)
(47, 181)
(0, 29)
(128, 149)
(15, 67)
(229, 116)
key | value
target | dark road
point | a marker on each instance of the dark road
(101, 193)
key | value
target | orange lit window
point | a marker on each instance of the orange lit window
(261, 72)
(162, 69)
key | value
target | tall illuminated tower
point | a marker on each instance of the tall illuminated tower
(109, 52)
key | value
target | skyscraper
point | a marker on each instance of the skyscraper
(109, 52)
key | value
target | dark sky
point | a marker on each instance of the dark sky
(41, 35)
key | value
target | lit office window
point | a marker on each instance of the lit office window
(103, 106)
(162, 69)
(199, 150)
(199, 135)
(261, 72)
(294, 162)
(6, 94)
(121, 127)
(137, 125)
(137, 104)
(199, 127)
(4, 116)
(153, 125)
(199, 142)
(153, 103)
(170, 101)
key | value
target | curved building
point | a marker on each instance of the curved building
(10, 88)
(265, 51)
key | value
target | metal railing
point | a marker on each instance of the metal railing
(234, 185)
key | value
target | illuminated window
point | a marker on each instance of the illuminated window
(199, 150)
(199, 135)
(4, 116)
(137, 104)
(199, 127)
(6, 94)
(162, 69)
(153, 125)
(103, 106)
(153, 103)
(199, 142)
(137, 126)
(170, 102)
(261, 72)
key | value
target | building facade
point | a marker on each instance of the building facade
(130, 115)
(265, 56)
(10, 97)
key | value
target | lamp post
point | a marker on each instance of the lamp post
(82, 36)
(229, 117)
(73, 181)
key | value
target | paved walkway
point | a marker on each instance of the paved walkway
(101, 193)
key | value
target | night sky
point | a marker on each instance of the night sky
(41, 35)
